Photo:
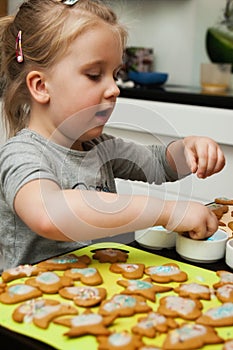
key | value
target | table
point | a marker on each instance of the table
(21, 342)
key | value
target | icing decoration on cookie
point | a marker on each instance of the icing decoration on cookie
(219, 316)
(225, 278)
(86, 323)
(49, 282)
(110, 255)
(166, 273)
(225, 293)
(151, 324)
(194, 290)
(124, 305)
(144, 288)
(120, 340)
(175, 306)
(19, 292)
(130, 271)
(87, 275)
(65, 262)
(228, 345)
(191, 336)
(84, 296)
(41, 311)
(20, 272)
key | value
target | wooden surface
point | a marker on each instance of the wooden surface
(3, 7)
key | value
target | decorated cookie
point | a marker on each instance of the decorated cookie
(166, 273)
(42, 311)
(19, 292)
(110, 255)
(20, 272)
(87, 275)
(120, 341)
(225, 293)
(49, 282)
(123, 305)
(191, 336)
(65, 262)
(225, 277)
(129, 271)
(218, 209)
(84, 296)
(144, 288)
(219, 316)
(194, 290)
(86, 323)
(228, 345)
(175, 306)
(152, 324)
(2, 287)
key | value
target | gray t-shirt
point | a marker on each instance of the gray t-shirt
(29, 156)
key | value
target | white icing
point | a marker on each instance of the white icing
(182, 305)
(187, 332)
(47, 278)
(120, 339)
(195, 288)
(85, 320)
(163, 270)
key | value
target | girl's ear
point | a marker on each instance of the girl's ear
(36, 84)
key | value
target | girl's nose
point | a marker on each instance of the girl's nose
(112, 91)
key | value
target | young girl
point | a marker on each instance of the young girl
(60, 61)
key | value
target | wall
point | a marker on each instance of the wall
(174, 28)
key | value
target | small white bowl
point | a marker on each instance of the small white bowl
(156, 237)
(204, 251)
(229, 253)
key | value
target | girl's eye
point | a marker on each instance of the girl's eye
(94, 77)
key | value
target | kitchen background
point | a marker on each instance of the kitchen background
(175, 29)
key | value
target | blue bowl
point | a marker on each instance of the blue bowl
(148, 78)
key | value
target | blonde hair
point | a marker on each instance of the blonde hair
(48, 27)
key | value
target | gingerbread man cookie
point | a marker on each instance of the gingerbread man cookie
(166, 273)
(123, 305)
(129, 271)
(110, 255)
(86, 323)
(191, 336)
(84, 296)
(152, 324)
(175, 306)
(42, 311)
(65, 262)
(87, 275)
(225, 277)
(144, 288)
(49, 282)
(225, 293)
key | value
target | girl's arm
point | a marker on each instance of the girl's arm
(81, 215)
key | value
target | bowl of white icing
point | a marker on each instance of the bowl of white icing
(156, 237)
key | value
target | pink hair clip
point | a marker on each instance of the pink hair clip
(18, 47)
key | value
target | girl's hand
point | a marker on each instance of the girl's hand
(203, 155)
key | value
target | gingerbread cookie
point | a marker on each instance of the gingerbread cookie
(129, 271)
(123, 305)
(120, 341)
(86, 323)
(224, 201)
(175, 306)
(2, 287)
(218, 209)
(191, 336)
(144, 288)
(20, 272)
(228, 345)
(166, 273)
(225, 293)
(194, 290)
(110, 255)
(19, 292)
(65, 262)
(220, 316)
(49, 282)
(84, 296)
(152, 324)
(87, 275)
(225, 278)
(41, 311)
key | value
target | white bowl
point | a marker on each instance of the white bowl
(229, 253)
(204, 251)
(156, 237)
